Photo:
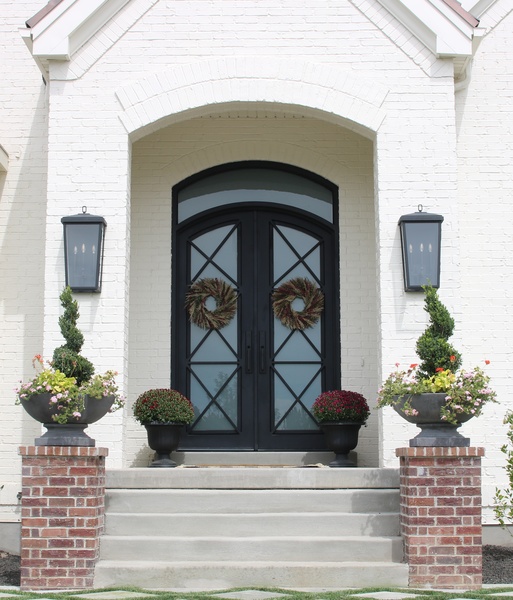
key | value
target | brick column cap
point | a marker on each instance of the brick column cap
(79, 451)
(440, 451)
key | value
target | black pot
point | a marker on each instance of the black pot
(71, 433)
(163, 438)
(341, 438)
(434, 431)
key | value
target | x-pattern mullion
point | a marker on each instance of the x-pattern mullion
(284, 343)
(204, 339)
(301, 258)
(209, 260)
(297, 397)
(213, 400)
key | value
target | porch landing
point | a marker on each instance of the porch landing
(221, 527)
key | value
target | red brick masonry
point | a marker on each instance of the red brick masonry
(62, 515)
(441, 516)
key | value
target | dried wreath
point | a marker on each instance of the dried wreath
(226, 303)
(306, 290)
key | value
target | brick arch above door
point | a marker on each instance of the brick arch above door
(308, 88)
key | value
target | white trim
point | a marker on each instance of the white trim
(435, 24)
(70, 25)
(477, 7)
(4, 160)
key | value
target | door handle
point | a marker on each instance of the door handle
(261, 351)
(248, 341)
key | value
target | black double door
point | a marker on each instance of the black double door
(253, 381)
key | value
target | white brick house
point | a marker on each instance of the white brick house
(114, 104)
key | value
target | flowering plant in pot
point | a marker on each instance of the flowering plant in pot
(164, 412)
(436, 394)
(340, 414)
(65, 394)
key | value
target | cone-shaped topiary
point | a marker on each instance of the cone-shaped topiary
(66, 358)
(433, 347)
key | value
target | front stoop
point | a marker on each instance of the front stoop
(227, 527)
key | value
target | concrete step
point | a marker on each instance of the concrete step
(174, 501)
(259, 526)
(243, 525)
(252, 478)
(213, 575)
(249, 549)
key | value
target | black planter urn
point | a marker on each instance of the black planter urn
(163, 438)
(72, 433)
(341, 438)
(434, 431)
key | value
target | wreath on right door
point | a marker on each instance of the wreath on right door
(304, 289)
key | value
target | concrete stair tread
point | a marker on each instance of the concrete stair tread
(222, 575)
(255, 538)
(252, 478)
(302, 514)
(242, 563)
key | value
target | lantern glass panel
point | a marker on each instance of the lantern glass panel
(83, 256)
(421, 254)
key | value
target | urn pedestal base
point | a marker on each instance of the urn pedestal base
(69, 434)
(439, 435)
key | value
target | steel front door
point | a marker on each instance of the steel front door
(253, 380)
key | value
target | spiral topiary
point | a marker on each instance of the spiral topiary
(67, 358)
(433, 347)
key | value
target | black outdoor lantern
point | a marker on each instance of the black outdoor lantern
(421, 235)
(83, 251)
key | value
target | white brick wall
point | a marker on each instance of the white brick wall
(23, 104)
(357, 99)
(485, 179)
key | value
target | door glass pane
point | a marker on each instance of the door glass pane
(297, 347)
(255, 186)
(297, 354)
(213, 353)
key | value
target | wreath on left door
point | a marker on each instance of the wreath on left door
(224, 295)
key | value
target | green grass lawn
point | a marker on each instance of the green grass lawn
(129, 593)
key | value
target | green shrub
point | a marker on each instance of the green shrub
(433, 347)
(67, 358)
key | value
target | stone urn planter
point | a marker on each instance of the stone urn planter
(341, 438)
(424, 411)
(71, 433)
(163, 438)
(65, 394)
(164, 412)
(340, 414)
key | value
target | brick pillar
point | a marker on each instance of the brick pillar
(441, 516)
(62, 515)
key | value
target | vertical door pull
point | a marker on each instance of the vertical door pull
(261, 351)
(249, 351)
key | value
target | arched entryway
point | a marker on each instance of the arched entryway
(255, 226)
